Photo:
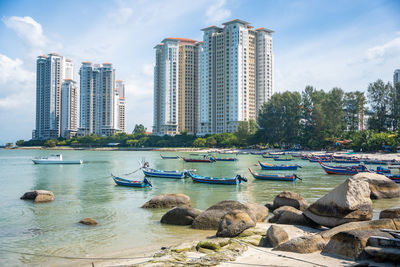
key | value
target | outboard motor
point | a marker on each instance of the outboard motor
(241, 179)
(147, 182)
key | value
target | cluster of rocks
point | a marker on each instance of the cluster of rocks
(341, 221)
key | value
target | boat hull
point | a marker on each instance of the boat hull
(198, 160)
(163, 174)
(213, 180)
(130, 183)
(290, 178)
(40, 161)
(278, 167)
(340, 170)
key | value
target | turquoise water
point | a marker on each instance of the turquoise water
(87, 190)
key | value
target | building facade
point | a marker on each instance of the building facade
(176, 86)
(99, 100)
(396, 77)
(120, 87)
(51, 71)
(69, 109)
(236, 75)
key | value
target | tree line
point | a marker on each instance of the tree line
(311, 119)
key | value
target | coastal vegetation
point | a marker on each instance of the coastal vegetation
(312, 119)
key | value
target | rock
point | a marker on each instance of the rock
(350, 244)
(390, 213)
(168, 201)
(276, 235)
(270, 206)
(367, 225)
(380, 185)
(88, 221)
(210, 218)
(252, 231)
(291, 199)
(383, 242)
(39, 196)
(234, 222)
(290, 215)
(180, 216)
(258, 210)
(303, 244)
(347, 202)
(383, 254)
(208, 244)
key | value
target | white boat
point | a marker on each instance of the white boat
(55, 159)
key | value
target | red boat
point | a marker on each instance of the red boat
(208, 160)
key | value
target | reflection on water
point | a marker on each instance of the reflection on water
(88, 191)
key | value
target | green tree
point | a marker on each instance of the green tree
(200, 142)
(211, 142)
(379, 99)
(354, 103)
(132, 142)
(50, 143)
(20, 142)
(139, 129)
(245, 131)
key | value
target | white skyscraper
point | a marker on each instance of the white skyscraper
(236, 75)
(98, 100)
(120, 86)
(396, 77)
(69, 109)
(51, 71)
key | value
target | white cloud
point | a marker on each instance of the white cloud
(121, 15)
(217, 12)
(381, 52)
(27, 29)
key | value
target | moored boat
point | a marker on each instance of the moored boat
(347, 161)
(272, 167)
(270, 157)
(169, 157)
(131, 183)
(283, 159)
(164, 174)
(55, 159)
(394, 177)
(225, 159)
(343, 170)
(216, 180)
(272, 177)
(205, 160)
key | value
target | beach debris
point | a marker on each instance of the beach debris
(233, 223)
(167, 201)
(288, 198)
(39, 196)
(276, 235)
(180, 215)
(88, 221)
(349, 201)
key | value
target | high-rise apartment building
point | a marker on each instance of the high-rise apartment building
(396, 77)
(176, 86)
(99, 100)
(51, 71)
(120, 89)
(236, 75)
(69, 109)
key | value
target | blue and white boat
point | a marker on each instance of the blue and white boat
(275, 177)
(164, 174)
(215, 180)
(272, 167)
(131, 183)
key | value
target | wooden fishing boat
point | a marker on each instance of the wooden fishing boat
(271, 167)
(394, 177)
(225, 159)
(343, 170)
(258, 153)
(164, 174)
(126, 182)
(381, 170)
(282, 159)
(215, 180)
(169, 157)
(318, 159)
(206, 160)
(270, 157)
(352, 161)
(276, 153)
(272, 177)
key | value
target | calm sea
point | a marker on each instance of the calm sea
(87, 190)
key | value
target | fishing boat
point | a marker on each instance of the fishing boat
(270, 157)
(215, 180)
(343, 170)
(347, 161)
(258, 153)
(283, 159)
(271, 167)
(318, 159)
(381, 170)
(55, 159)
(164, 174)
(126, 182)
(289, 178)
(225, 159)
(394, 177)
(276, 153)
(169, 157)
(205, 160)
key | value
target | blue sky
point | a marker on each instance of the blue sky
(326, 44)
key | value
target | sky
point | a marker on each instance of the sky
(323, 43)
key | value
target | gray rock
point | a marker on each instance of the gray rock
(291, 199)
(350, 244)
(210, 218)
(348, 202)
(380, 185)
(383, 242)
(88, 221)
(258, 210)
(168, 201)
(39, 196)
(383, 254)
(233, 223)
(290, 215)
(303, 244)
(276, 235)
(180, 216)
(390, 213)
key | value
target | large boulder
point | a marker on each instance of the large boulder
(276, 235)
(233, 223)
(390, 213)
(39, 196)
(292, 199)
(210, 218)
(290, 215)
(383, 254)
(303, 244)
(180, 216)
(258, 210)
(350, 244)
(168, 201)
(88, 221)
(348, 202)
(380, 185)
(366, 225)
